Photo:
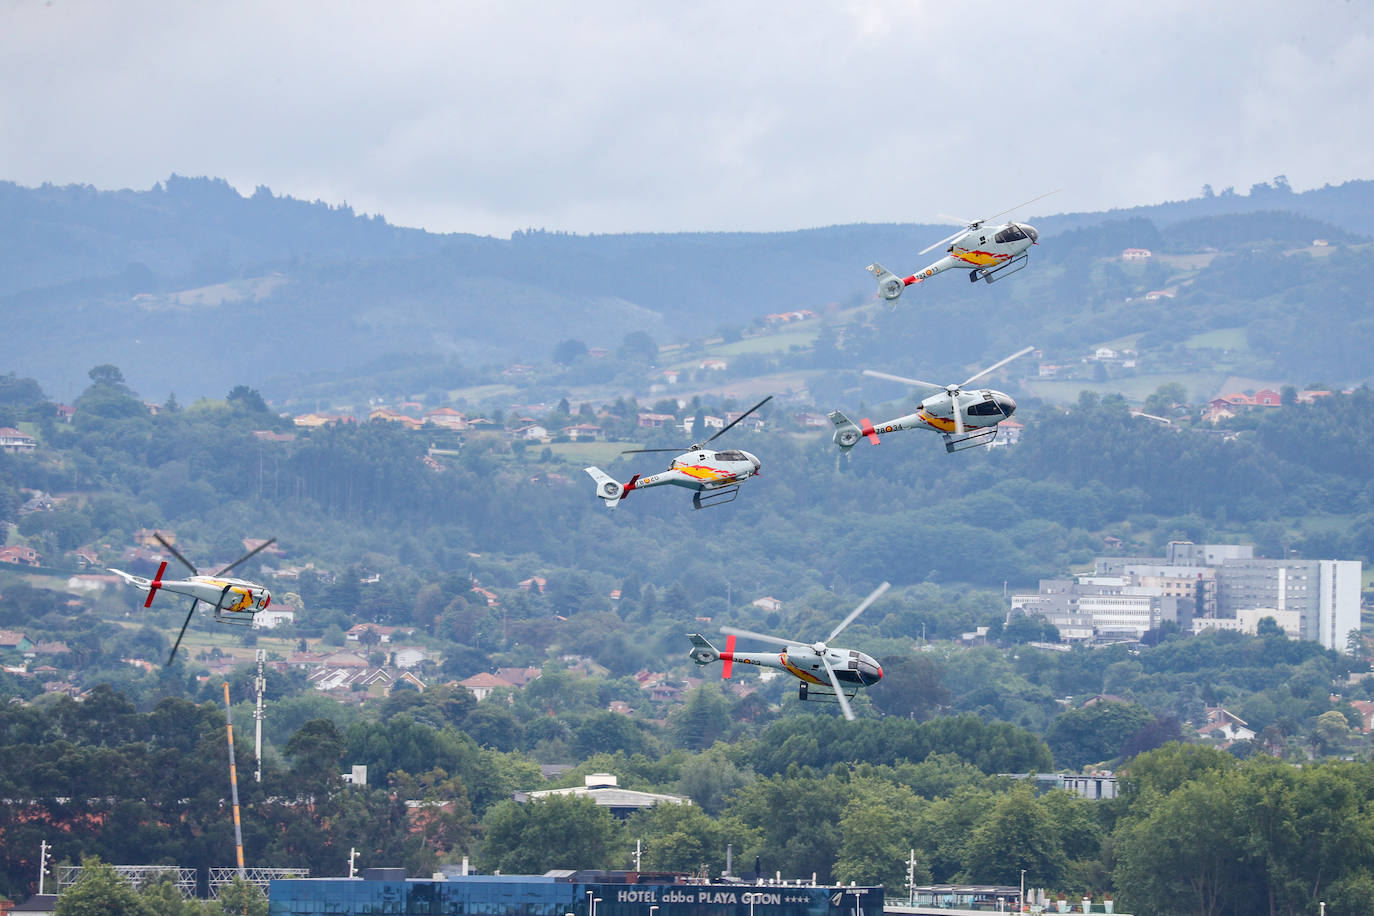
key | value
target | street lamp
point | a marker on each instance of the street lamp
(590, 907)
(595, 901)
(652, 908)
(1021, 900)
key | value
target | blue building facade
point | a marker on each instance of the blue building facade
(538, 895)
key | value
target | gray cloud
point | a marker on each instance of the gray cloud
(607, 117)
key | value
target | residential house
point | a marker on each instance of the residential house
(534, 583)
(490, 596)
(656, 420)
(484, 683)
(518, 677)
(446, 417)
(1366, 710)
(1230, 726)
(1155, 295)
(272, 618)
(1267, 397)
(1136, 254)
(812, 420)
(534, 431)
(386, 415)
(408, 657)
(384, 633)
(20, 556)
(12, 440)
(584, 432)
(767, 603)
(12, 640)
(316, 420)
(712, 364)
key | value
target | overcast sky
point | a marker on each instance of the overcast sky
(595, 116)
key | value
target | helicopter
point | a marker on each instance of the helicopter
(966, 419)
(845, 670)
(236, 601)
(714, 475)
(993, 253)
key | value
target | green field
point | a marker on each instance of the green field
(1220, 339)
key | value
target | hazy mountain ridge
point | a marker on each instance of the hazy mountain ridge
(88, 274)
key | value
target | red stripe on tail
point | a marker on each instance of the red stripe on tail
(155, 584)
(866, 427)
(728, 657)
(630, 485)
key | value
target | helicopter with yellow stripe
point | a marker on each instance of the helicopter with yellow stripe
(714, 475)
(825, 673)
(966, 419)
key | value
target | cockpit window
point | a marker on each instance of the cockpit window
(732, 454)
(985, 409)
(1012, 233)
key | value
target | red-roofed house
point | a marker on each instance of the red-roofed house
(483, 684)
(1267, 397)
(19, 555)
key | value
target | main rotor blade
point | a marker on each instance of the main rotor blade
(903, 379)
(645, 451)
(863, 606)
(958, 220)
(762, 637)
(263, 546)
(957, 412)
(184, 562)
(839, 691)
(1019, 206)
(948, 238)
(177, 645)
(740, 417)
(995, 366)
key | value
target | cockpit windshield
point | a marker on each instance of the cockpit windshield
(1012, 233)
(732, 454)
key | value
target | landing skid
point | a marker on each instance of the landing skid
(704, 500)
(1001, 272)
(971, 439)
(823, 694)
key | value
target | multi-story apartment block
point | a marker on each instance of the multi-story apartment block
(1193, 583)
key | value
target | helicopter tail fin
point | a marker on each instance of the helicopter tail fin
(848, 433)
(703, 653)
(148, 585)
(608, 488)
(890, 285)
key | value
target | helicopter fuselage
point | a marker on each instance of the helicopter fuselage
(703, 469)
(985, 248)
(220, 592)
(804, 662)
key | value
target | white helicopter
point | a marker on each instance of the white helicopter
(824, 672)
(714, 475)
(992, 253)
(966, 419)
(236, 601)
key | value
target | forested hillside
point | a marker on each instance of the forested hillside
(303, 291)
(487, 551)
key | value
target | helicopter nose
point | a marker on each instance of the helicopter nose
(870, 672)
(1007, 404)
(758, 465)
